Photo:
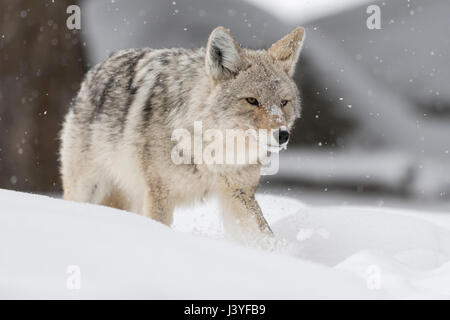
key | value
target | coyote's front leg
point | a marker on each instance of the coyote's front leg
(157, 204)
(242, 216)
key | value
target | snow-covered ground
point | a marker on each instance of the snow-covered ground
(322, 252)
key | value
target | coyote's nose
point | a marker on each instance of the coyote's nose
(282, 136)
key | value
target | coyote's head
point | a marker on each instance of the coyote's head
(254, 89)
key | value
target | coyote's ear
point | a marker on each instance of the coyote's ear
(288, 49)
(224, 58)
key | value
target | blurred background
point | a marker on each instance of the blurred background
(375, 128)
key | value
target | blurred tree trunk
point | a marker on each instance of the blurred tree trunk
(41, 66)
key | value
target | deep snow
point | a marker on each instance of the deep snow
(323, 252)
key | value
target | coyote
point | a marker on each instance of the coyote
(116, 139)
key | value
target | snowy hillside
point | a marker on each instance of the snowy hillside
(322, 252)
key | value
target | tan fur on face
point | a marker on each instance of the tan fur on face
(265, 120)
(267, 81)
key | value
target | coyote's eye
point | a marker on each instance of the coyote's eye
(284, 103)
(252, 101)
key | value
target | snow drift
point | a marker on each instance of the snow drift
(325, 252)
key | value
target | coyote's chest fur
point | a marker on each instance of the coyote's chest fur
(117, 140)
